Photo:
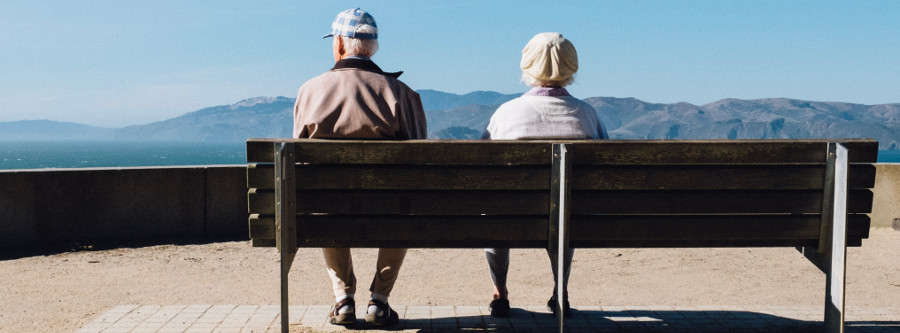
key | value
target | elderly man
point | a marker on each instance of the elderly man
(356, 99)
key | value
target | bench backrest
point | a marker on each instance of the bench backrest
(425, 193)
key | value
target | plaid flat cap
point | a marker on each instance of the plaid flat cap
(354, 23)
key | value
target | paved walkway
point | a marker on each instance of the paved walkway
(265, 318)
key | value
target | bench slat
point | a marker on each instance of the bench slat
(400, 177)
(587, 231)
(711, 202)
(603, 177)
(479, 152)
(409, 202)
(793, 177)
(413, 152)
(717, 152)
(362, 202)
(424, 202)
(688, 231)
(434, 231)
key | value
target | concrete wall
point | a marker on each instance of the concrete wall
(69, 207)
(46, 208)
(886, 201)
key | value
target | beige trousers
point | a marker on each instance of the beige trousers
(343, 281)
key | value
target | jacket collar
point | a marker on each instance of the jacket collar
(548, 91)
(363, 64)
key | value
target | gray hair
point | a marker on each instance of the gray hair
(530, 81)
(360, 47)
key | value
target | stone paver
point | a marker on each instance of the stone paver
(266, 318)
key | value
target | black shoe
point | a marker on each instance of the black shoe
(567, 309)
(348, 318)
(388, 316)
(500, 308)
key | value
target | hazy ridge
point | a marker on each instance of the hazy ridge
(453, 116)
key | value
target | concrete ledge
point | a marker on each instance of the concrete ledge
(64, 207)
(886, 195)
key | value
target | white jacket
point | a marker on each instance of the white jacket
(532, 116)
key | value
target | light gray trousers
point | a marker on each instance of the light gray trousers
(498, 261)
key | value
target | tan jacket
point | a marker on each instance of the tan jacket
(357, 100)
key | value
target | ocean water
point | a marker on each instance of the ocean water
(37, 155)
(889, 156)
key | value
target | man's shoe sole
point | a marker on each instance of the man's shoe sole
(373, 320)
(343, 319)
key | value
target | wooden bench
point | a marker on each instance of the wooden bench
(808, 194)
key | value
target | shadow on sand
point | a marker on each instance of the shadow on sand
(627, 321)
(44, 249)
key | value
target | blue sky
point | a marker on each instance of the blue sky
(115, 63)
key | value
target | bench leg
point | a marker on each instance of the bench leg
(286, 259)
(830, 255)
(559, 223)
(834, 248)
(285, 219)
(834, 288)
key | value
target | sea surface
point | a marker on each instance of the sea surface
(38, 155)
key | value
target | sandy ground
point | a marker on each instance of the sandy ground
(62, 292)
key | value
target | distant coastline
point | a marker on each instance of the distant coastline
(465, 116)
(216, 134)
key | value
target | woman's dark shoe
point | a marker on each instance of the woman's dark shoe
(346, 318)
(567, 309)
(500, 308)
(387, 315)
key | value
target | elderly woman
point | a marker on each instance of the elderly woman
(547, 111)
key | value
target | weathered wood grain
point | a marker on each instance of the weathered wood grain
(393, 202)
(434, 231)
(689, 231)
(261, 176)
(594, 177)
(394, 183)
(495, 202)
(537, 151)
(791, 177)
(716, 152)
(711, 202)
(401, 177)
(586, 231)
(412, 152)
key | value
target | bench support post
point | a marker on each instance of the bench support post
(833, 240)
(285, 218)
(830, 255)
(558, 235)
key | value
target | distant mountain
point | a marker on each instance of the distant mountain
(452, 116)
(460, 133)
(782, 118)
(474, 117)
(439, 100)
(48, 130)
(259, 117)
